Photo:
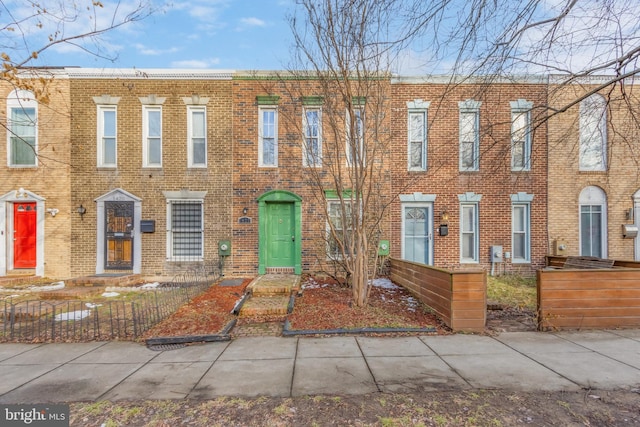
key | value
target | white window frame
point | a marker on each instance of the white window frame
(102, 146)
(337, 255)
(470, 201)
(22, 100)
(359, 113)
(521, 201)
(191, 111)
(171, 231)
(521, 135)
(420, 108)
(594, 196)
(146, 147)
(262, 110)
(472, 108)
(593, 133)
(307, 152)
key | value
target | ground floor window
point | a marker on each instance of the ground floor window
(185, 234)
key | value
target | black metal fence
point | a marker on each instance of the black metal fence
(123, 319)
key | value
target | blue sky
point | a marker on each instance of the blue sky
(214, 34)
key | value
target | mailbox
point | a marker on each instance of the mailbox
(148, 226)
(629, 231)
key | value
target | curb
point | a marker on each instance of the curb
(287, 332)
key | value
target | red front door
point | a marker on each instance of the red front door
(24, 235)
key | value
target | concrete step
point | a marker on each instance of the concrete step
(274, 284)
(265, 306)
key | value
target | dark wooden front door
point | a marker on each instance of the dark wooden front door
(119, 235)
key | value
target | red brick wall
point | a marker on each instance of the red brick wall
(494, 180)
(251, 181)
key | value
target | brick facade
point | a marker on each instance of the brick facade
(619, 180)
(148, 184)
(68, 174)
(49, 182)
(494, 180)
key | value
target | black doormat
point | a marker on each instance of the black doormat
(231, 282)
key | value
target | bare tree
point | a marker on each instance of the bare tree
(340, 46)
(31, 29)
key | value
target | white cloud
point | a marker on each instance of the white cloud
(195, 63)
(253, 22)
(143, 50)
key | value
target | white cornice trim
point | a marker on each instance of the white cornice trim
(148, 74)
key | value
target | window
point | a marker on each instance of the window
(593, 235)
(521, 135)
(341, 227)
(520, 227)
(197, 131)
(469, 235)
(185, 234)
(268, 138)
(312, 152)
(417, 135)
(355, 144)
(152, 142)
(593, 133)
(22, 135)
(107, 142)
(469, 135)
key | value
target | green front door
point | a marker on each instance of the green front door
(280, 238)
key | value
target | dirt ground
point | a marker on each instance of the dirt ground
(422, 408)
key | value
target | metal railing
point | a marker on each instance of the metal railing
(124, 319)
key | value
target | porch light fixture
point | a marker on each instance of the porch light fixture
(444, 217)
(244, 211)
(81, 210)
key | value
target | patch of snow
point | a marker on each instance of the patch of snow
(310, 284)
(52, 287)
(110, 294)
(91, 305)
(150, 285)
(384, 283)
(72, 315)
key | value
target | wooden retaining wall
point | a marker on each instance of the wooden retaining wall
(589, 299)
(459, 298)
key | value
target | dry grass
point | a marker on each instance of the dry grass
(512, 291)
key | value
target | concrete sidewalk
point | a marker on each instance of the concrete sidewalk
(271, 366)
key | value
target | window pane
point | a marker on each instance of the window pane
(519, 246)
(109, 147)
(23, 136)
(591, 230)
(109, 122)
(593, 125)
(416, 131)
(199, 151)
(186, 224)
(468, 246)
(154, 123)
(197, 124)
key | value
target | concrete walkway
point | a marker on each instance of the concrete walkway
(272, 366)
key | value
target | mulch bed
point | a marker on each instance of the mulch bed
(323, 304)
(207, 313)
(326, 305)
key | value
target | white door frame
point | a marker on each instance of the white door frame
(418, 200)
(6, 228)
(118, 195)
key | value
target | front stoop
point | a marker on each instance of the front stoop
(270, 295)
